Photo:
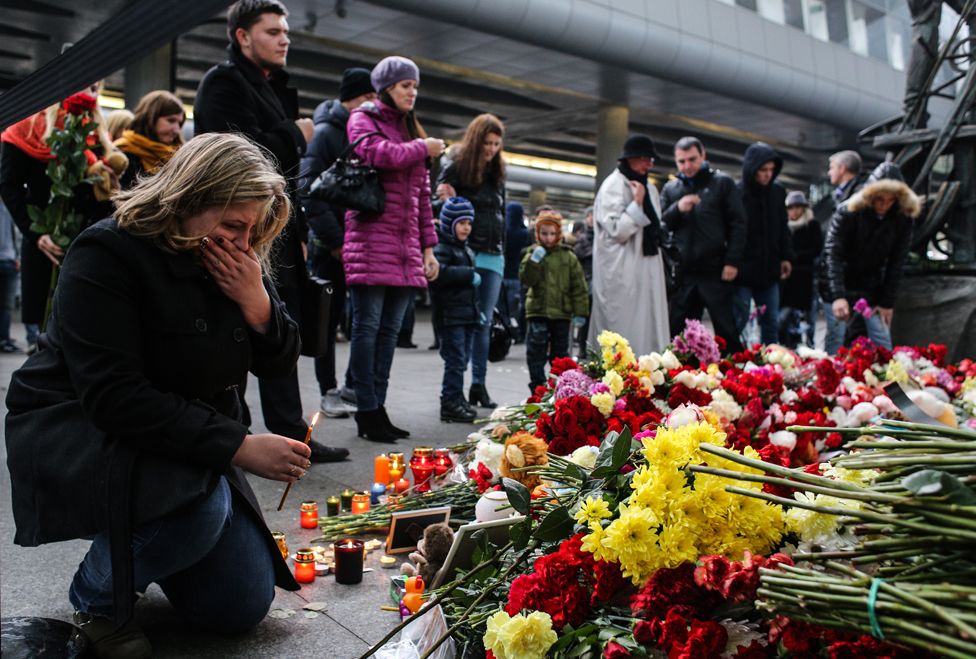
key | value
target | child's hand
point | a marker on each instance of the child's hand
(579, 321)
(475, 279)
(538, 254)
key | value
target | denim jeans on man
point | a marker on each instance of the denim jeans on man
(878, 332)
(491, 286)
(455, 347)
(545, 339)
(8, 291)
(210, 560)
(767, 306)
(377, 312)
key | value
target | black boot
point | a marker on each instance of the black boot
(323, 453)
(456, 411)
(478, 395)
(370, 425)
(399, 433)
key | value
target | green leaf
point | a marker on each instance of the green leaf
(557, 525)
(614, 453)
(621, 448)
(520, 533)
(518, 495)
(532, 408)
(931, 482)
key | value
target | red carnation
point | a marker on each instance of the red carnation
(562, 364)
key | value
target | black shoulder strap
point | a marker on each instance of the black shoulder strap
(349, 149)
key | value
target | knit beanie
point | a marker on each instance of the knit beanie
(453, 211)
(355, 82)
(391, 70)
(548, 217)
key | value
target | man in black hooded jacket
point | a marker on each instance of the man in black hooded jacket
(703, 210)
(769, 254)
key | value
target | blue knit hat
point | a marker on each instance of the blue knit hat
(453, 211)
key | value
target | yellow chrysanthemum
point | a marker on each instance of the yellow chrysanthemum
(613, 380)
(603, 402)
(677, 545)
(668, 450)
(592, 511)
(685, 508)
(521, 636)
(630, 537)
(593, 543)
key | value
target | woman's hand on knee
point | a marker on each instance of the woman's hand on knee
(273, 456)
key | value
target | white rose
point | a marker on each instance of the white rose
(684, 414)
(585, 456)
(669, 361)
(651, 362)
(647, 383)
(686, 378)
(783, 438)
(788, 396)
(657, 378)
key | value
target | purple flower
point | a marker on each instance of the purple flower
(599, 388)
(698, 341)
(573, 383)
(862, 307)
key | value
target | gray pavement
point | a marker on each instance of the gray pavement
(34, 581)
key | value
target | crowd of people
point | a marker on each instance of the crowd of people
(220, 235)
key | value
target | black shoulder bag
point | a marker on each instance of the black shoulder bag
(351, 183)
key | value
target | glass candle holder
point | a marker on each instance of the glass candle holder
(309, 514)
(332, 506)
(348, 561)
(360, 503)
(282, 543)
(401, 486)
(422, 466)
(381, 469)
(378, 490)
(346, 498)
(305, 566)
(397, 467)
(442, 461)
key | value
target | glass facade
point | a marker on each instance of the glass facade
(881, 29)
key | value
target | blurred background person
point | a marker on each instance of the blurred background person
(155, 133)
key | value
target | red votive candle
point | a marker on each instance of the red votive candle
(348, 561)
(442, 461)
(305, 566)
(422, 466)
(309, 515)
(401, 486)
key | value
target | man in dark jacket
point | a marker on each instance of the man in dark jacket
(864, 254)
(769, 254)
(703, 209)
(327, 223)
(249, 94)
(844, 171)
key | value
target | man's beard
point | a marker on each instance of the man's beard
(267, 65)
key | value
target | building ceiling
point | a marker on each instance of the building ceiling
(549, 101)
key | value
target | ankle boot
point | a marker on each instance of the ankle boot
(370, 426)
(457, 411)
(478, 395)
(110, 641)
(399, 433)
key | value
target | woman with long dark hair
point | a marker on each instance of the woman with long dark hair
(154, 135)
(389, 255)
(477, 173)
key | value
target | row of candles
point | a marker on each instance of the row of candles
(349, 555)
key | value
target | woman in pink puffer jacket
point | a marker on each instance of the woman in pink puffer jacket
(387, 256)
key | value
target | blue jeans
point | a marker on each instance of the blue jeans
(768, 320)
(836, 329)
(455, 351)
(8, 291)
(377, 312)
(211, 560)
(491, 286)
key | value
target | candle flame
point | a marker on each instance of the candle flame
(315, 419)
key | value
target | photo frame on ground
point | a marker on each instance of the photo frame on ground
(459, 556)
(407, 527)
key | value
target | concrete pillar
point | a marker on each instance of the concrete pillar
(537, 197)
(155, 71)
(611, 133)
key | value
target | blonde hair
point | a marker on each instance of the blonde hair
(117, 122)
(213, 170)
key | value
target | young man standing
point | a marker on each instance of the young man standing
(249, 94)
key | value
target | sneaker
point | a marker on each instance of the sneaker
(9, 347)
(348, 397)
(332, 405)
(110, 641)
(323, 453)
(457, 411)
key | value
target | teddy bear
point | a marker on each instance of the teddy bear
(431, 552)
(106, 171)
(524, 450)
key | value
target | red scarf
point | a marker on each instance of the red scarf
(28, 136)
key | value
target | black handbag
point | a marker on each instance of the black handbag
(351, 183)
(316, 309)
(500, 338)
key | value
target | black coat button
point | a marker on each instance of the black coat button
(201, 325)
(239, 334)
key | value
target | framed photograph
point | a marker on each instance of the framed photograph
(459, 556)
(407, 528)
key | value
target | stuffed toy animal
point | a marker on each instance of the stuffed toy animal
(115, 162)
(431, 552)
(524, 450)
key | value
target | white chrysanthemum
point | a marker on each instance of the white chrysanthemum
(585, 456)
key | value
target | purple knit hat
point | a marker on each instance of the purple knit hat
(392, 70)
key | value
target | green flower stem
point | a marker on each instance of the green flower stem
(864, 495)
(862, 461)
(938, 430)
(793, 474)
(943, 444)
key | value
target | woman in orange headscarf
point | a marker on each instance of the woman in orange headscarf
(153, 137)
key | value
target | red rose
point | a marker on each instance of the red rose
(682, 394)
(646, 632)
(562, 364)
(79, 103)
(706, 639)
(615, 651)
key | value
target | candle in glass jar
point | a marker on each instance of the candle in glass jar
(348, 561)
(305, 565)
(397, 467)
(381, 469)
(442, 461)
(378, 490)
(422, 466)
(360, 503)
(309, 514)
(282, 543)
(332, 506)
(346, 497)
(401, 486)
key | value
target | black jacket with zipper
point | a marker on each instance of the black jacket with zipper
(488, 199)
(453, 295)
(767, 231)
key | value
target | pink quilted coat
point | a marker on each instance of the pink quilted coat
(387, 249)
